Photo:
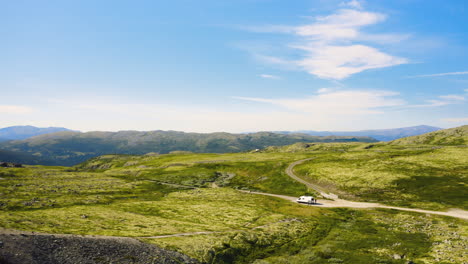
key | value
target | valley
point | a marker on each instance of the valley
(210, 207)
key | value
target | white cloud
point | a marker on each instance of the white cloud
(439, 74)
(269, 76)
(337, 103)
(456, 120)
(453, 97)
(353, 4)
(325, 90)
(15, 109)
(383, 38)
(333, 46)
(344, 24)
(441, 101)
(339, 62)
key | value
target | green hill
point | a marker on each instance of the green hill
(421, 171)
(20, 157)
(150, 196)
(69, 148)
(452, 136)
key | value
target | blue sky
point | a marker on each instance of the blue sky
(236, 66)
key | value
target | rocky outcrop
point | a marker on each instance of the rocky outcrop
(21, 248)
(10, 165)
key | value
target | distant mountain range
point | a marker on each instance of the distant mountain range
(379, 134)
(61, 146)
(24, 132)
(70, 148)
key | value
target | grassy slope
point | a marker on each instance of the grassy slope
(21, 157)
(432, 175)
(452, 136)
(250, 171)
(423, 177)
(129, 196)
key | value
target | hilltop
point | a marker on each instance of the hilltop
(70, 147)
(452, 136)
(379, 134)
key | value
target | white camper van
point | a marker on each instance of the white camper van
(306, 200)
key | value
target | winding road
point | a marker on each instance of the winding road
(336, 202)
(331, 201)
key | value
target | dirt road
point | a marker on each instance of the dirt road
(290, 172)
(336, 202)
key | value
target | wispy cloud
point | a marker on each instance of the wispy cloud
(439, 74)
(353, 4)
(269, 76)
(340, 62)
(15, 109)
(441, 101)
(332, 103)
(345, 24)
(456, 120)
(332, 45)
(325, 90)
(453, 97)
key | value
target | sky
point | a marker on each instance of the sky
(233, 65)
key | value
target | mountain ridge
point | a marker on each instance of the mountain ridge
(71, 147)
(379, 134)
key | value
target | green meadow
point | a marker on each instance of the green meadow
(153, 195)
(411, 176)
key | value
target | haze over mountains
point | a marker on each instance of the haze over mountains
(23, 132)
(379, 134)
(72, 147)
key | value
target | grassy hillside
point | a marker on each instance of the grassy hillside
(452, 136)
(424, 177)
(21, 157)
(151, 195)
(70, 148)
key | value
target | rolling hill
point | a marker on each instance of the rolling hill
(20, 157)
(379, 134)
(452, 136)
(70, 148)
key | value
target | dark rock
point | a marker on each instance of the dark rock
(71, 249)
(10, 165)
